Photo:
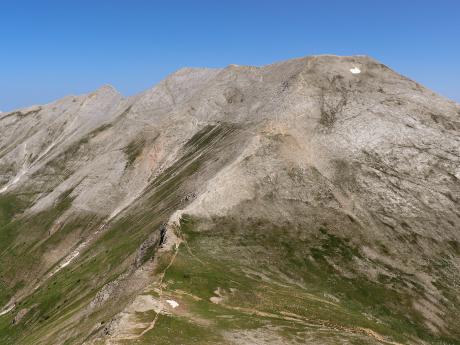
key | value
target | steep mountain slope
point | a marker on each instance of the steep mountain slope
(311, 201)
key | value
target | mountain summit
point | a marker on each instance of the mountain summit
(312, 201)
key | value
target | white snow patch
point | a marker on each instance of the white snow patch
(355, 70)
(7, 310)
(70, 259)
(73, 255)
(172, 303)
(76, 252)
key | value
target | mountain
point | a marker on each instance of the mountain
(312, 201)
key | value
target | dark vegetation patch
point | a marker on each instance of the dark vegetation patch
(134, 150)
(334, 246)
(333, 98)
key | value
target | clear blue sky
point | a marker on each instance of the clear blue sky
(49, 49)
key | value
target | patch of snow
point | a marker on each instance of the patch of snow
(7, 310)
(355, 70)
(218, 298)
(73, 255)
(172, 303)
(70, 259)
(76, 252)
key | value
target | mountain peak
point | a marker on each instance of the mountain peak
(309, 200)
(107, 89)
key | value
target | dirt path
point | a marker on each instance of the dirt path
(313, 323)
(152, 325)
(176, 246)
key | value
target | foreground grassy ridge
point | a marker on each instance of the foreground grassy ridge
(266, 281)
(252, 300)
(55, 309)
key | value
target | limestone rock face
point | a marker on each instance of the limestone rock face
(315, 200)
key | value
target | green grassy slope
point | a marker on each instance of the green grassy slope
(265, 281)
(53, 309)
